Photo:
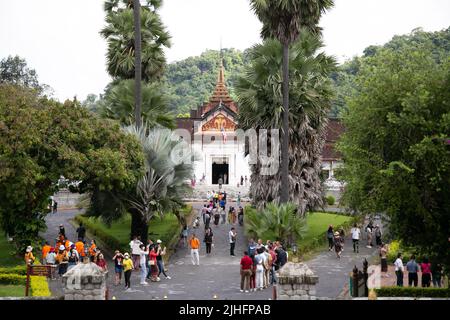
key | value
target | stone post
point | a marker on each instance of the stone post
(296, 281)
(85, 281)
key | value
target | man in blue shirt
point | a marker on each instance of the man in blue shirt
(412, 267)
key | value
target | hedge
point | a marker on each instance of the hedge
(21, 270)
(17, 276)
(413, 292)
(113, 243)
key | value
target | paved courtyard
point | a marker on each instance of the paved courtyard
(218, 274)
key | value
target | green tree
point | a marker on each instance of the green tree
(279, 221)
(395, 148)
(14, 70)
(260, 107)
(40, 140)
(282, 20)
(158, 190)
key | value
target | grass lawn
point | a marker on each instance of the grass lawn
(7, 256)
(9, 290)
(318, 223)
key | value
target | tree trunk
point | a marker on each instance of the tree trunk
(139, 226)
(284, 190)
(137, 62)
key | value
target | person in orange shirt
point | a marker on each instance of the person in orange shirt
(45, 250)
(79, 246)
(92, 250)
(67, 244)
(195, 246)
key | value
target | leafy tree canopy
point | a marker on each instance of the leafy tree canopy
(396, 149)
(40, 140)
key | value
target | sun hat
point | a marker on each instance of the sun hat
(126, 254)
(158, 241)
(61, 247)
(29, 248)
(336, 233)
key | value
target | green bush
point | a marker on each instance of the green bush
(330, 200)
(39, 286)
(12, 279)
(413, 292)
(111, 242)
(21, 270)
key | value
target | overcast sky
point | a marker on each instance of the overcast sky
(60, 38)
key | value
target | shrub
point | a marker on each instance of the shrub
(20, 270)
(39, 287)
(413, 292)
(330, 200)
(12, 279)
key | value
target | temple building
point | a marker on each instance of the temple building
(212, 129)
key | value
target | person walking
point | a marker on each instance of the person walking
(378, 235)
(238, 200)
(273, 278)
(127, 268)
(81, 231)
(62, 231)
(208, 240)
(143, 253)
(118, 266)
(216, 216)
(246, 181)
(356, 234)
(232, 239)
(251, 247)
(153, 275)
(241, 216)
(436, 272)
(207, 219)
(135, 245)
(413, 268)
(194, 243)
(184, 235)
(383, 257)
(79, 246)
(246, 272)
(220, 182)
(338, 244)
(204, 210)
(425, 266)
(369, 230)
(330, 237)
(73, 258)
(50, 260)
(159, 259)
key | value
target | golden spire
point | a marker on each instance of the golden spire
(221, 77)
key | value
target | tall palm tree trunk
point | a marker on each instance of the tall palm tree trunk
(137, 63)
(284, 196)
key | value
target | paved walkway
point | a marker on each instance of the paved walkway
(217, 275)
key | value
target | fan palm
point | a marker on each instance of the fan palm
(119, 104)
(282, 20)
(163, 184)
(260, 107)
(279, 221)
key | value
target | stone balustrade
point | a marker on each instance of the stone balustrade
(85, 281)
(296, 281)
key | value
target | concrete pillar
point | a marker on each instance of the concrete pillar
(85, 281)
(296, 281)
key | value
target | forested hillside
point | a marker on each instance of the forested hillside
(191, 81)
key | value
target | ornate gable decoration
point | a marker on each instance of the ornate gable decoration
(219, 122)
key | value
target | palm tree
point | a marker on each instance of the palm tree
(163, 184)
(282, 20)
(119, 104)
(260, 107)
(120, 36)
(279, 221)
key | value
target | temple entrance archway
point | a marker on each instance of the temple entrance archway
(220, 169)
